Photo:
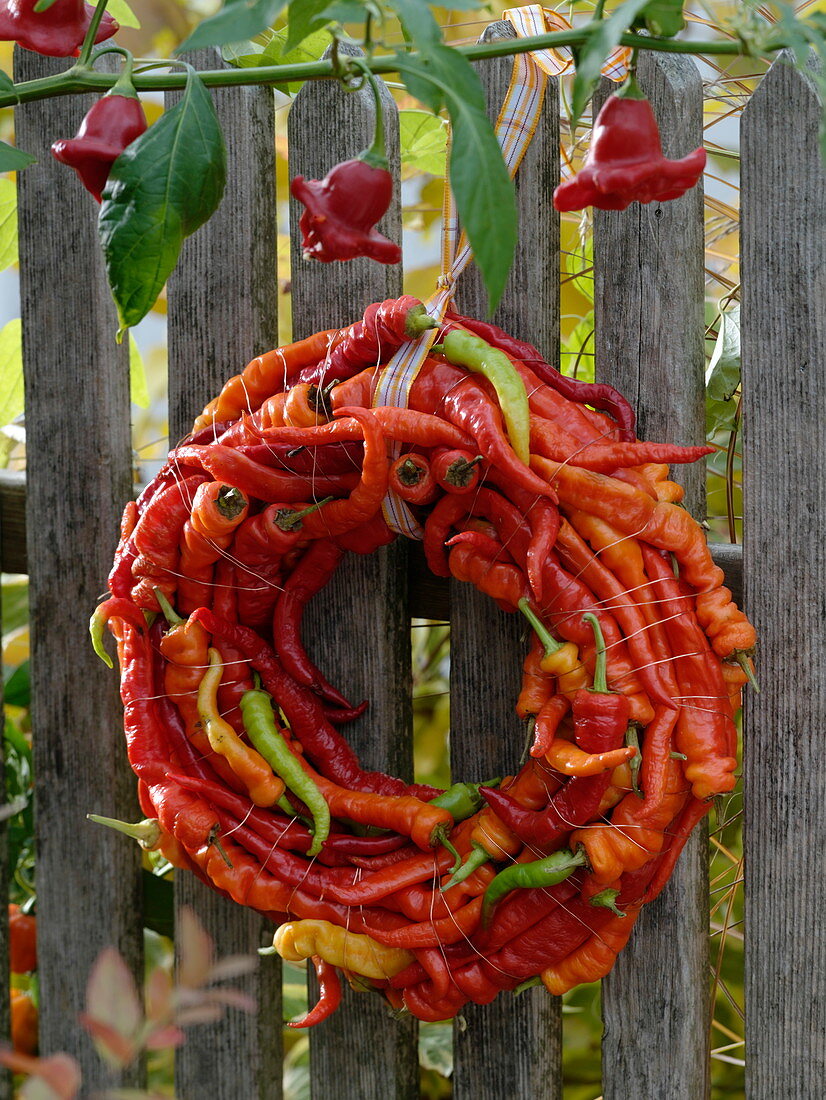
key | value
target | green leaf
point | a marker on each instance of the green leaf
(121, 11)
(423, 141)
(11, 371)
(43, 5)
(481, 185)
(243, 55)
(138, 389)
(8, 224)
(723, 374)
(162, 188)
(6, 83)
(605, 35)
(418, 21)
(237, 20)
(17, 690)
(13, 160)
(303, 17)
(158, 904)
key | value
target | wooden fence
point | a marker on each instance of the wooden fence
(648, 265)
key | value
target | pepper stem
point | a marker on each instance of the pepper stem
(146, 832)
(477, 858)
(376, 155)
(123, 85)
(91, 34)
(607, 899)
(744, 663)
(169, 612)
(546, 638)
(287, 518)
(600, 684)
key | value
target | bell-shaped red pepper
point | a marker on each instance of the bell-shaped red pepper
(625, 162)
(109, 126)
(56, 32)
(342, 209)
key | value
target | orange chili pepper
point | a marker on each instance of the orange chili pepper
(567, 758)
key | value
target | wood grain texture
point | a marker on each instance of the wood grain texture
(79, 469)
(784, 493)
(513, 1046)
(358, 630)
(648, 289)
(222, 313)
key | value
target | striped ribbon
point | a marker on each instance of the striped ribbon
(515, 127)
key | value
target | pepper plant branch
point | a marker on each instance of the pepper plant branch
(89, 40)
(80, 78)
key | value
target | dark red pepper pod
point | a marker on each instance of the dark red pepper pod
(625, 162)
(56, 32)
(343, 209)
(109, 126)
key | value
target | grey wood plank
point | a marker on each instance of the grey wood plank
(79, 475)
(783, 249)
(648, 289)
(358, 631)
(513, 1046)
(222, 313)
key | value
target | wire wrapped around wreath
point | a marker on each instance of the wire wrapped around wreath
(525, 486)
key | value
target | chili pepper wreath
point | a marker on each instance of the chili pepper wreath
(533, 487)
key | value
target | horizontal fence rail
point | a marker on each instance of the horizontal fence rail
(57, 524)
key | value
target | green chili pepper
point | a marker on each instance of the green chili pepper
(542, 872)
(462, 800)
(466, 350)
(259, 722)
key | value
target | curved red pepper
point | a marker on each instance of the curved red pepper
(108, 127)
(56, 32)
(625, 161)
(342, 211)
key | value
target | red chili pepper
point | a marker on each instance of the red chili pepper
(255, 480)
(342, 211)
(109, 126)
(504, 583)
(315, 569)
(217, 510)
(573, 806)
(706, 732)
(374, 339)
(404, 425)
(600, 715)
(598, 394)
(547, 440)
(625, 161)
(329, 995)
(365, 500)
(156, 539)
(57, 32)
(470, 408)
(457, 471)
(411, 478)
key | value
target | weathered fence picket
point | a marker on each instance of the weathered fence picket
(222, 312)
(784, 504)
(648, 305)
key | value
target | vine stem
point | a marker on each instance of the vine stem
(80, 78)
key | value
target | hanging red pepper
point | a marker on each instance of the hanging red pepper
(625, 162)
(111, 124)
(56, 32)
(343, 209)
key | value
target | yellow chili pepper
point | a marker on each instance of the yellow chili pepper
(561, 659)
(263, 786)
(351, 951)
